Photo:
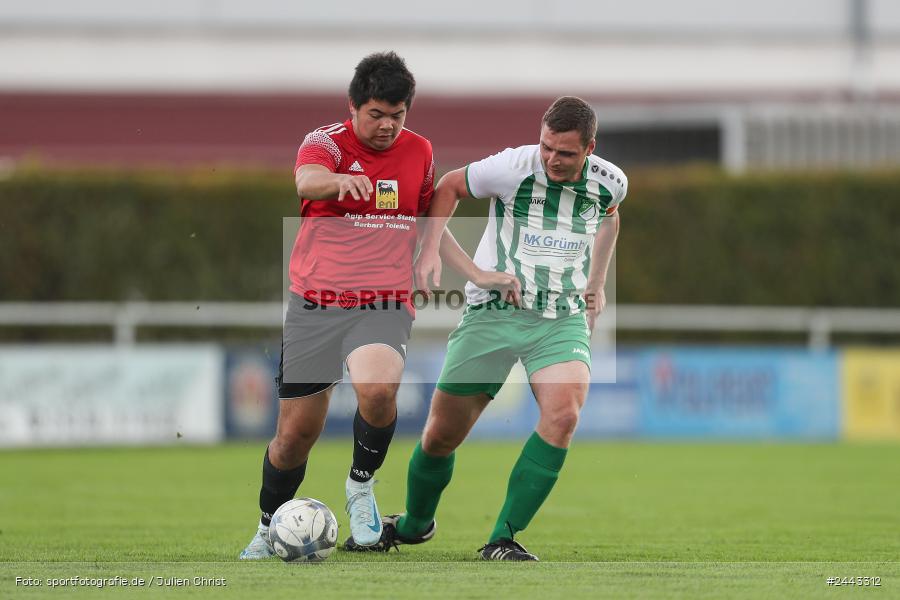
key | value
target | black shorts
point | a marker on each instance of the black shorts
(318, 339)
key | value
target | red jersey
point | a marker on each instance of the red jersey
(357, 251)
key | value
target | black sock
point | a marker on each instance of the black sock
(370, 445)
(277, 487)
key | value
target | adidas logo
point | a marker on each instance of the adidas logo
(356, 167)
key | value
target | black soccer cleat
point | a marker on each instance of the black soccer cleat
(504, 549)
(390, 538)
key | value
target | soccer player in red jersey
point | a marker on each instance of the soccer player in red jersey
(362, 183)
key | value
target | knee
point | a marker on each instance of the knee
(291, 449)
(377, 394)
(377, 403)
(565, 421)
(438, 443)
(561, 423)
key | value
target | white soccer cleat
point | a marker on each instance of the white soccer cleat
(365, 522)
(259, 547)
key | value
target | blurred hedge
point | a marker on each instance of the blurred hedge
(113, 236)
(809, 240)
(688, 236)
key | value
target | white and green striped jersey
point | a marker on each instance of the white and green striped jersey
(540, 230)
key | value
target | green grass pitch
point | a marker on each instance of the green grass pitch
(626, 520)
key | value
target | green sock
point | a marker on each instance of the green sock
(530, 483)
(426, 479)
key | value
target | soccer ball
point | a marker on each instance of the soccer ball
(303, 530)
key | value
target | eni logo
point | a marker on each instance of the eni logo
(387, 195)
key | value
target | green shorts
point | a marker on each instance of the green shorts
(489, 340)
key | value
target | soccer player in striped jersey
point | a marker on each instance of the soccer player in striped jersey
(553, 223)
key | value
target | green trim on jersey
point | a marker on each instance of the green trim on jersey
(521, 203)
(551, 204)
(501, 249)
(468, 188)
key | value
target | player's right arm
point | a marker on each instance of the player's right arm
(317, 182)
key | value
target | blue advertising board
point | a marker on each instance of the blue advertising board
(251, 406)
(738, 393)
(612, 409)
(677, 392)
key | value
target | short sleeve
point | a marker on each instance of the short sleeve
(492, 176)
(427, 190)
(318, 149)
(621, 191)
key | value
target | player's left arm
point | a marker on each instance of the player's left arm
(508, 285)
(601, 256)
(437, 242)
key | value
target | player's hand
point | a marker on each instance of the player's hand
(427, 265)
(359, 187)
(596, 302)
(509, 286)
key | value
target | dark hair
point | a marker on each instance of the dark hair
(382, 76)
(572, 114)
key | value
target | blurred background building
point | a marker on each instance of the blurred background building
(775, 262)
(773, 83)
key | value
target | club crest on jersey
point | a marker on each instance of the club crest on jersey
(588, 210)
(387, 195)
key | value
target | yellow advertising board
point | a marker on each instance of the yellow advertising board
(871, 394)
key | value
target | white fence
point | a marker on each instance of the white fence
(818, 324)
(773, 136)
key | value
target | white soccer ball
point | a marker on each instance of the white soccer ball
(303, 530)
